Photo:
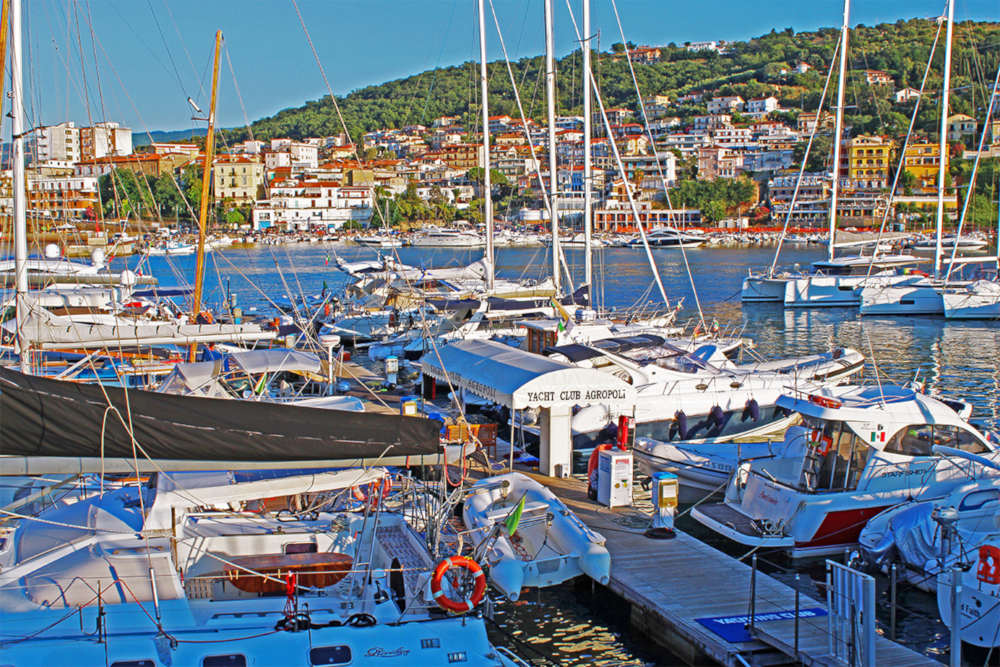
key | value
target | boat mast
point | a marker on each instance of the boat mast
(943, 147)
(550, 88)
(838, 128)
(20, 203)
(588, 220)
(206, 175)
(487, 184)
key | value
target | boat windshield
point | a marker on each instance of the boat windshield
(840, 468)
(919, 439)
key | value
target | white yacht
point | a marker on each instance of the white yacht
(671, 237)
(857, 453)
(449, 238)
(379, 241)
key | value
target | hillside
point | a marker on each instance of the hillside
(752, 68)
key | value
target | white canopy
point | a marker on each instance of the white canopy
(519, 379)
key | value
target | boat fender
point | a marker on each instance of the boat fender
(595, 458)
(988, 571)
(466, 604)
(716, 417)
(680, 426)
(751, 411)
(822, 443)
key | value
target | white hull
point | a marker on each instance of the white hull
(902, 300)
(970, 306)
(760, 289)
(553, 545)
(833, 291)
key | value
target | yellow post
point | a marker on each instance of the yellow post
(206, 175)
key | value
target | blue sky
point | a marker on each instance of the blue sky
(152, 54)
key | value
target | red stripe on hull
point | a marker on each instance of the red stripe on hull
(841, 527)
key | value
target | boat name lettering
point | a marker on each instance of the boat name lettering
(379, 652)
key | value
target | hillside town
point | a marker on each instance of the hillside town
(326, 183)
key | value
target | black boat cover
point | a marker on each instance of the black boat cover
(45, 417)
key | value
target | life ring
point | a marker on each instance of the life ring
(377, 491)
(467, 604)
(822, 443)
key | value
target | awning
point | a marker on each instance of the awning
(519, 379)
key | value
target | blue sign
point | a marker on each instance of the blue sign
(734, 628)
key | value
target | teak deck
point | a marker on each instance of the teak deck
(670, 583)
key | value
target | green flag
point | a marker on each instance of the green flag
(514, 518)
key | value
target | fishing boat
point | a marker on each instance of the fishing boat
(528, 537)
(857, 453)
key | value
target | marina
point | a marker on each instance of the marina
(571, 352)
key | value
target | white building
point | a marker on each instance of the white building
(764, 105)
(296, 204)
(726, 104)
(105, 139)
(54, 142)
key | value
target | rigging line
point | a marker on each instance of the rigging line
(656, 157)
(437, 65)
(621, 168)
(239, 96)
(972, 177)
(180, 39)
(805, 160)
(902, 156)
(166, 47)
(520, 109)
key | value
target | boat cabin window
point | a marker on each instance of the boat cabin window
(841, 467)
(330, 655)
(231, 660)
(918, 440)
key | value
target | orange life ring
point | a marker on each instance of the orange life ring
(376, 491)
(467, 604)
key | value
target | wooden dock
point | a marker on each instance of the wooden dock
(671, 583)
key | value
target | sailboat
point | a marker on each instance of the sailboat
(835, 281)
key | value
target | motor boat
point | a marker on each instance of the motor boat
(693, 396)
(379, 241)
(432, 236)
(979, 598)
(547, 546)
(857, 453)
(671, 237)
(173, 249)
(225, 568)
(912, 535)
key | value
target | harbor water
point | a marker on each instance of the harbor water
(571, 624)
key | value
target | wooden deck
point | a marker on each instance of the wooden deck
(671, 583)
